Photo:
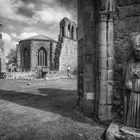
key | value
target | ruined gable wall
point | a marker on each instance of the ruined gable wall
(67, 45)
(68, 56)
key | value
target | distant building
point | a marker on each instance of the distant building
(36, 54)
(2, 56)
(67, 45)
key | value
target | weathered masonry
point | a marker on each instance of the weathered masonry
(2, 57)
(67, 45)
(36, 53)
(105, 33)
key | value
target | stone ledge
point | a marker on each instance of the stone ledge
(117, 131)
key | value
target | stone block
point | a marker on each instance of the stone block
(110, 95)
(88, 69)
(110, 51)
(103, 51)
(103, 92)
(89, 86)
(117, 131)
(129, 25)
(110, 33)
(110, 62)
(105, 112)
(129, 11)
(127, 2)
(103, 74)
(88, 108)
(103, 63)
(112, 130)
(110, 75)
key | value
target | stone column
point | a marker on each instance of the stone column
(105, 65)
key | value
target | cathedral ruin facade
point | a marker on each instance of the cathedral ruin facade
(36, 53)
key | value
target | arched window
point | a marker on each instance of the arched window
(26, 57)
(69, 30)
(72, 32)
(63, 32)
(0, 64)
(42, 57)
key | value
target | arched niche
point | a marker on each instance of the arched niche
(26, 57)
(72, 32)
(69, 30)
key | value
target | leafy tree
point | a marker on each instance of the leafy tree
(12, 56)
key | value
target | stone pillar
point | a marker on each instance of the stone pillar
(106, 65)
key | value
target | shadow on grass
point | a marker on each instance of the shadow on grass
(58, 101)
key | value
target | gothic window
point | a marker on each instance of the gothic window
(72, 32)
(63, 32)
(69, 30)
(0, 64)
(26, 57)
(42, 57)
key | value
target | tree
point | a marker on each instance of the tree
(12, 56)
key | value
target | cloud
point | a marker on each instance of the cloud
(25, 18)
(14, 35)
(68, 3)
(26, 10)
(8, 43)
(26, 35)
(50, 15)
(6, 37)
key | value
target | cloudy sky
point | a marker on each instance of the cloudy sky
(24, 18)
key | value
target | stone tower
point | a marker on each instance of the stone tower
(2, 57)
(68, 45)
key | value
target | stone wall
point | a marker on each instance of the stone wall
(87, 50)
(126, 25)
(105, 32)
(68, 56)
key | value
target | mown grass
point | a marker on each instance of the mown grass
(25, 123)
(28, 116)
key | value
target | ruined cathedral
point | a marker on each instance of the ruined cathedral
(44, 54)
(107, 32)
(36, 53)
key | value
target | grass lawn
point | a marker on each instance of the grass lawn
(43, 110)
